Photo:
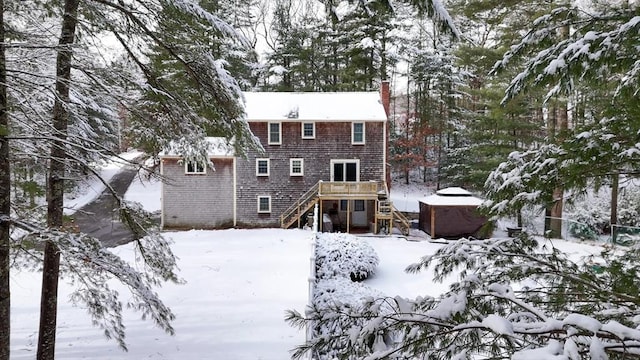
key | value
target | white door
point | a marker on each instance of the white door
(359, 213)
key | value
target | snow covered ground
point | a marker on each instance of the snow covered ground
(238, 285)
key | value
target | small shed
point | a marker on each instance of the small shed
(450, 213)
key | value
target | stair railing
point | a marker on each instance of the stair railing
(300, 206)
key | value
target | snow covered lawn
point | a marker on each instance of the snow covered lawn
(395, 255)
(238, 285)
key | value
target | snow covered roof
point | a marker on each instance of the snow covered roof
(453, 191)
(218, 147)
(453, 196)
(314, 106)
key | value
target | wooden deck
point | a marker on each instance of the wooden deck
(331, 190)
(366, 190)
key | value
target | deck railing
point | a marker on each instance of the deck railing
(330, 190)
(349, 188)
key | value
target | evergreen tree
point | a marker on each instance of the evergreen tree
(517, 298)
(597, 54)
(494, 128)
(294, 58)
(63, 103)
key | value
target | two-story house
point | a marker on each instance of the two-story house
(328, 149)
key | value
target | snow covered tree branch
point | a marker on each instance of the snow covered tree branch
(516, 299)
(601, 48)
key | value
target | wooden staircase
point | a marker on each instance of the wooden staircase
(401, 221)
(386, 211)
(302, 205)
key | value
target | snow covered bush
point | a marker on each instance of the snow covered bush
(515, 299)
(341, 262)
(589, 216)
(343, 255)
(340, 290)
(342, 295)
(629, 207)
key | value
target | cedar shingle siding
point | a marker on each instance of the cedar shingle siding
(332, 141)
(200, 201)
(212, 201)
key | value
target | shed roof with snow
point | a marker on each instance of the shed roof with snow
(313, 106)
(450, 213)
(452, 196)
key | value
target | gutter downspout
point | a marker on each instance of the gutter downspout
(235, 193)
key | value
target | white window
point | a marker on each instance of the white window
(357, 133)
(262, 167)
(192, 167)
(264, 204)
(309, 130)
(296, 167)
(275, 133)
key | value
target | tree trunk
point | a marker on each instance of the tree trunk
(555, 214)
(562, 125)
(55, 184)
(615, 179)
(5, 202)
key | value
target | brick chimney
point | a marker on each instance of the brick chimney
(385, 95)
